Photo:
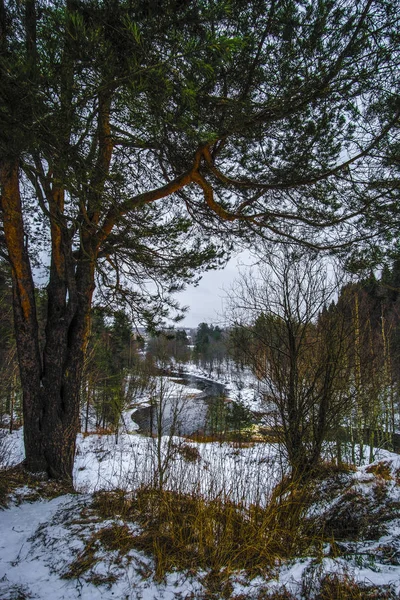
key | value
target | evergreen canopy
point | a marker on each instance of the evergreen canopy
(135, 136)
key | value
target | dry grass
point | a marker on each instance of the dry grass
(189, 453)
(244, 439)
(5, 489)
(280, 595)
(191, 534)
(116, 537)
(219, 538)
(113, 538)
(18, 592)
(84, 561)
(343, 587)
(380, 490)
(39, 487)
(187, 533)
(381, 470)
(326, 469)
(397, 476)
(357, 515)
(331, 586)
(98, 431)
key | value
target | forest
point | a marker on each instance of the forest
(142, 144)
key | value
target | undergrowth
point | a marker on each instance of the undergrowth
(217, 539)
(188, 533)
(343, 587)
(28, 487)
(331, 586)
(381, 470)
(220, 538)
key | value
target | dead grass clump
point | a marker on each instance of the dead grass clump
(381, 470)
(282, 594)
(286, 515)
(12, 479)
(113, 538)
(187, 533)
(350, 517)
(84, 561)
(397, 476)
(39, 486)
(244, 444)
(189, 453)
(97, 579)
(5, 489)
(218, 585)
(356, 514)
(98, 431)
(343, 587)
(201, 438)
(328, 469)
(14, 591)
(269, 436)
(389, 554)
(113, 504)
(116, 538)
(380, 490)
(190, 534)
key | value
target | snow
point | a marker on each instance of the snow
(40, 540)
(20, 569)
(221, 469)
(240, 384)
(11, 448)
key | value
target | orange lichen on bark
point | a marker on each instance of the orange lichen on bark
(105, 150)
(14, 235)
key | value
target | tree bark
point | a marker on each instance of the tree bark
(50, 380)
(24, 307)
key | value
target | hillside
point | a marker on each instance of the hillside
(120, 537)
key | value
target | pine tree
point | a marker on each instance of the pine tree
(127, 131)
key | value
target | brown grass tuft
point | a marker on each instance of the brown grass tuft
(343, 587)
(116, 537)
(381, 470)
(17, 477)
(187, 533)
(84, 561)
(189, 453)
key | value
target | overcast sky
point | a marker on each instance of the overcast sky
(206, 301)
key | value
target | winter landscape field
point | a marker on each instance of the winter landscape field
(92, 543)
(199, 299)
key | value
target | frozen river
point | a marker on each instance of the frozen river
(195, 405)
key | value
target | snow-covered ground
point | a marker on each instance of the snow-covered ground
(240, 384)
(214, 470)
(40, 538)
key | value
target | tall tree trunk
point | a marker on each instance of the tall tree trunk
(67, 329)
(51, 376)
(61, 394)
(50, 383)
(24, 306)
